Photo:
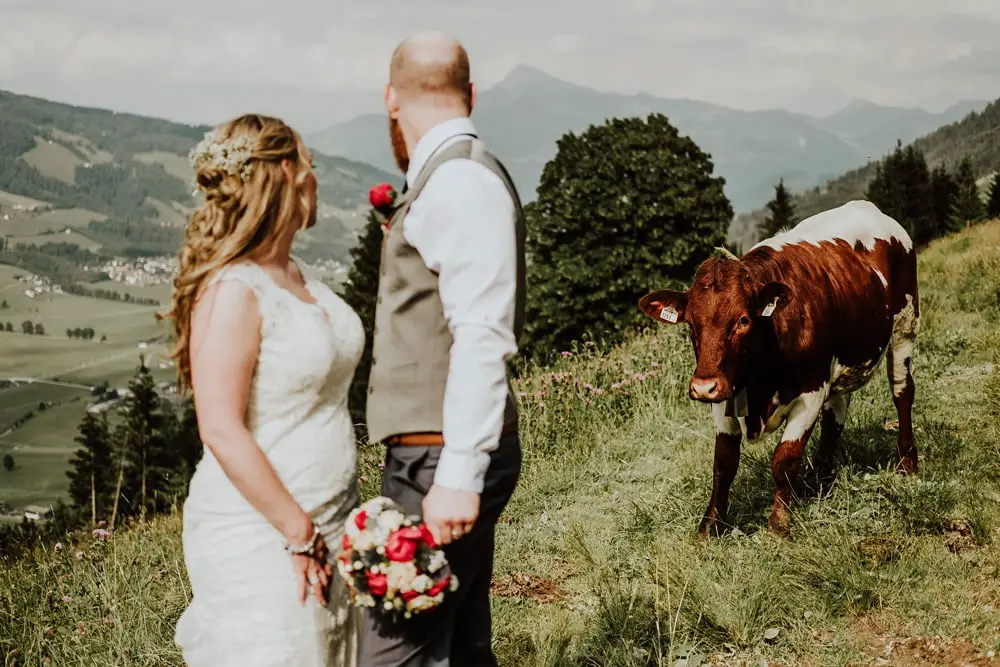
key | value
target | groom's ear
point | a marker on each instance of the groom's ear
(391, 101)
(472, 96)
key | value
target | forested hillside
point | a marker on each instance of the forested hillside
(122, 181)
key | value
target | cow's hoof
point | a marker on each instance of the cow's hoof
(780, 523)
(712, 528)
(906, 467)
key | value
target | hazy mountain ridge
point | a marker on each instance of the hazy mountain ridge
(128, 172)
(976, 136)
(524, 115)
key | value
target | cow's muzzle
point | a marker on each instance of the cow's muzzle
(708, 390)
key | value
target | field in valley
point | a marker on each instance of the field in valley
(597, 560)
(53, 374)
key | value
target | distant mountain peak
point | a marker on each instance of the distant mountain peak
(522, 75)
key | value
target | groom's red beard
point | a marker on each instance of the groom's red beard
(399, 152)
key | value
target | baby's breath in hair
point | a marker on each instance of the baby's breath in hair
(231, 155)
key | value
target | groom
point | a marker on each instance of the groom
(449, 312)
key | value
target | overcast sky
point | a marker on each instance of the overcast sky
(320, 61)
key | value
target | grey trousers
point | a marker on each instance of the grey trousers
(459, 632)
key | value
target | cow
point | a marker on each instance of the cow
(786, 333)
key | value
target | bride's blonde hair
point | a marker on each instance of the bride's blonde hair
(250, 205)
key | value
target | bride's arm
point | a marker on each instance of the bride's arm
(225, 340)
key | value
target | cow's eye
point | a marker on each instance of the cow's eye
(743, 322)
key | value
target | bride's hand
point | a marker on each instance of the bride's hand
(313, 572)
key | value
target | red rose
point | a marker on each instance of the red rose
(377, 584)
(438, 587)
(360, 519)
(425, 532)
(382, 196)
(346, 543)
(402, 544)
(408, 595)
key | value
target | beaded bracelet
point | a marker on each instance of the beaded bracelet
(308, 550)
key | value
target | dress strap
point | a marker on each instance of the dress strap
(253, 277)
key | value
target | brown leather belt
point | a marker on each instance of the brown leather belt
(431, 439)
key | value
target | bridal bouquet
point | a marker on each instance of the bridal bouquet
(390, 561)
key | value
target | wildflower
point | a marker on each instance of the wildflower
(101, 533)
(566, 353)
(67, 598)
(102, 523)
(79, 555)
(58, 546)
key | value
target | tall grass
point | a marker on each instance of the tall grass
(598, 562)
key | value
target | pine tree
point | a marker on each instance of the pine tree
(902, 190)
(943, 191)
(993, 207)
(149, 463)
(782, 212)
(967, 207)
(91, 475)
(361, 293)
(187, 443)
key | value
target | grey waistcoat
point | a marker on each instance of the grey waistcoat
(412, 342)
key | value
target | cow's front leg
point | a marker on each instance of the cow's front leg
(786, 464)
(834, 418)
(727, 462)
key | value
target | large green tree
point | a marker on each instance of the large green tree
(781, 212)
(967, 207)
(623, 208)
(361, 292)
(993, 207)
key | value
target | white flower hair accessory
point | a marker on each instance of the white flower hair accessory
(230, 155)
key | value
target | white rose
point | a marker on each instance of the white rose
(421, 583)
(365, 541)
(390, 519)
(400, 576)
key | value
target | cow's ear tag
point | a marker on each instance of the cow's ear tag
(769, 308)
(668, 314)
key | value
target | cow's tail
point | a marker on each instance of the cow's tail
(905, 307)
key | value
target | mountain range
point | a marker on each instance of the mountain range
(523, 116)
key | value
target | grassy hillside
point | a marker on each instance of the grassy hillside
(597, 561)
(976, 136)
(122, 182)
(524, 115)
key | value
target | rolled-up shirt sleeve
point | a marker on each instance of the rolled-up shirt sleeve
(463, 226)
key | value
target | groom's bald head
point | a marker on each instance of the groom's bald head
(431, 67)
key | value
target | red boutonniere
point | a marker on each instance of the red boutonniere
(383, 199)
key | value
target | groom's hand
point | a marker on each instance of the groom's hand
(449, 513)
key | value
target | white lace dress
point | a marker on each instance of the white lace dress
(245, 611)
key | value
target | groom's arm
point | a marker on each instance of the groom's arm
(463, 226)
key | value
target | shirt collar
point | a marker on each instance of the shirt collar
(433, 140)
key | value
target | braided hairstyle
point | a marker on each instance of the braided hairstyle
(249, 209)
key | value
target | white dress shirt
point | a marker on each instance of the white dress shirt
(463, 225)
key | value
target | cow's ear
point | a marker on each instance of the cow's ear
(771, 299)
(664, 306)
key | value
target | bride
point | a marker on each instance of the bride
(269, 354)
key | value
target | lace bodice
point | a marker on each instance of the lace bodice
(297, 408)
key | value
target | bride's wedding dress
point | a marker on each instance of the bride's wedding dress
(245, 611)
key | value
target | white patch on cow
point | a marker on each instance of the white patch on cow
(838, 404)
(881, 276)
(852, 378)
(803, 413)
(905, 326)
(724, 424)
(856, 221)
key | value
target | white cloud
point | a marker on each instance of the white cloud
(195, 59)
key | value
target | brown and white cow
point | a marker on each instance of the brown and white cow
(786, 333)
